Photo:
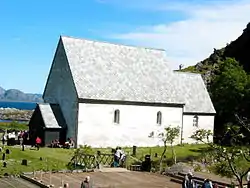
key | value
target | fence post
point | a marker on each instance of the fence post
(134, 150)
(49, 177)
(96, 163)
(41, 175)
(34, 173)
(61, 180)
(127, 159)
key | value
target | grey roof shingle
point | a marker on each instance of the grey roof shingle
(195, 94)
(117, 72)
(52, 115)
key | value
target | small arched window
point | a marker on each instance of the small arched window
(117, 116)
(195, 121)
(159, 118)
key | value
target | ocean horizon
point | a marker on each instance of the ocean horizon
(18, 105)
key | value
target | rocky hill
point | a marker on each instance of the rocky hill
(226, 73)
(238, 49)
(17, 95)
(13, 114)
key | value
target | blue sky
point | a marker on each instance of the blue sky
(188, 30)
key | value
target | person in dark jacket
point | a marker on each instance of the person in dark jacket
(86, 183)
(207, 184)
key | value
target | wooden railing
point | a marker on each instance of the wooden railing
(105, 159)
(90, 161)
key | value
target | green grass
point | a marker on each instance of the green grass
(13, 125)
(53, 159)
(57, 159)
(181, 151)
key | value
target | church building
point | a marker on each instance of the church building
(108, 95)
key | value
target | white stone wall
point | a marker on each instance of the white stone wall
(60, 89)
(96, 125)
(204, 122)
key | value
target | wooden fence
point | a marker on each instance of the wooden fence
(90, 161)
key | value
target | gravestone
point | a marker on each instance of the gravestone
(3, 157)
(134, 151)
(7, 151)
(156, 154)
(24, 162)
(4, 164)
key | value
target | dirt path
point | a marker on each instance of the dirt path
(112, 179)
(15, 183)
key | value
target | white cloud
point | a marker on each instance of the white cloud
(192, 39)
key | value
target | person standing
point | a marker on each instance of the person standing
(207, 184)
(122, 158)
(38, 142)
(3, 139)
(86, 183)
(21, 141)
(248, 178)
(117, 157)
(188, 181)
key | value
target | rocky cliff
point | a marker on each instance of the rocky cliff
(13, 114)
(17, 95)
(238, 49)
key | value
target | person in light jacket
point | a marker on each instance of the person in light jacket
(188, 181)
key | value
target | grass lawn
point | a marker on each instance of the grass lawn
(13, 126)
(182, 152)
(52, 159)
(57, 159)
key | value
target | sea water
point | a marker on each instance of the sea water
(18, 105)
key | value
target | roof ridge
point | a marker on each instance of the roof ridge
(113, 43)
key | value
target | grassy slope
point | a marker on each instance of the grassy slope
(13, 125)
(59, 158)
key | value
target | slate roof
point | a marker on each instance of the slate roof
(116, 72)
(107, 71)
(194, 91)
(52, 115)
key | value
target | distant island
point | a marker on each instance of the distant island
(19, 96)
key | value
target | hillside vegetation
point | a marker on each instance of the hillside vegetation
(226, 73)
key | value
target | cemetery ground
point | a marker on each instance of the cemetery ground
(54, 159)
(57, 158)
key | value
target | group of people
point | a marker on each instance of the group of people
(55, 144)
(86, 183)
(14, 137)
(119, 157)
(68, 144)
(189, 182)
